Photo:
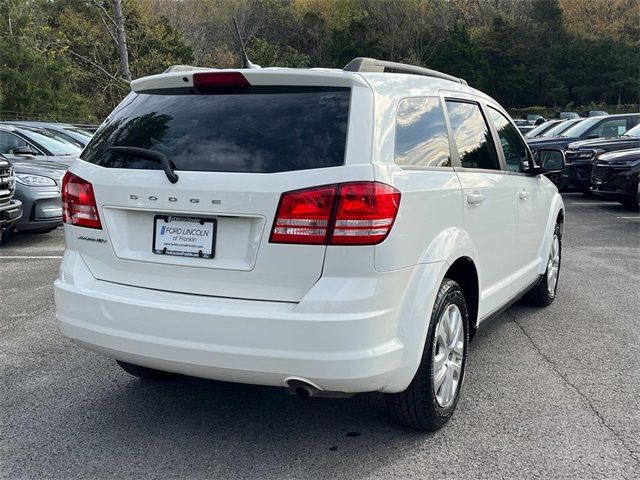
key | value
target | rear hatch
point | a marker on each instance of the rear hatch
(235, 148)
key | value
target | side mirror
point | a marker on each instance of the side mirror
(592, 136)
(551, 160)
(23, 150)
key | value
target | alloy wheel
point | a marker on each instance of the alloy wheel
(553, 266)
(448, 355)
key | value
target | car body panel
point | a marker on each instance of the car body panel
(342, 318)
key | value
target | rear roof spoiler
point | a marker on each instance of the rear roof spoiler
(365, 64)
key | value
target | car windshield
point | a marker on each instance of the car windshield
(561, 127)
(50, 143)
(64, 137)
(581, 127)
(540, 129)
(79, 131)
(633, 132)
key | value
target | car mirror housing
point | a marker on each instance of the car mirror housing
(23, 150)
(551, 160)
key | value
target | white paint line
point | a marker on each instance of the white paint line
(594, 203)
(28, 257)
(628, 217)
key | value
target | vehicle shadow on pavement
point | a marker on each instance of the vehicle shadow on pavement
(194, 427)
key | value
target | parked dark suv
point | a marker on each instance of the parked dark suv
(10, 209)
(588, 129)
(615, 175)
(580, 156)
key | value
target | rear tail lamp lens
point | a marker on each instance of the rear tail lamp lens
(79, 203)
(303, 216)
(366, 211)
(357, 213)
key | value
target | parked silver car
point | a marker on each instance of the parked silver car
(40, 161)
(61, 131)
(38, 184)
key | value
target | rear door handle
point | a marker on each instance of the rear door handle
(475, 198)
(523, 195)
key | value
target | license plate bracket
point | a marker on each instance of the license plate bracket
(184, 236)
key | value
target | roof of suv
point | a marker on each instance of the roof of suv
(387, 84)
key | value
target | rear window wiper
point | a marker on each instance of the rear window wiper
(152, 156)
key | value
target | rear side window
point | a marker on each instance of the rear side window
(421, 134)
(610, 128)
(253, 129)
(472, 136)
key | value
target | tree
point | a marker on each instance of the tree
(121, 39)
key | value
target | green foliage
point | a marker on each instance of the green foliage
(266, 54)
(60, 57)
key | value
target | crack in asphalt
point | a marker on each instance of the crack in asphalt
(586, 399)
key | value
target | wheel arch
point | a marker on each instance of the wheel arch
(556, 215)
(464, 272)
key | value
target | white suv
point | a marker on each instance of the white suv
(328, 231)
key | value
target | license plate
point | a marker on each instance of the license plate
(184, 236)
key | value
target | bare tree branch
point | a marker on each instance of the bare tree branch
(122, 81)
(106, 26)
(104, 11)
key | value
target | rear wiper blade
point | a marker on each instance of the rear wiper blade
(151, 155)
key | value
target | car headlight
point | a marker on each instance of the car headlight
(35, 180)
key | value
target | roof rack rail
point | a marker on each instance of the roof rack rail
(364, 64)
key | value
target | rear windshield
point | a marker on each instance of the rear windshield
(255, 129)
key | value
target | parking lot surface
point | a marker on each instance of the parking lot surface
(549, 393)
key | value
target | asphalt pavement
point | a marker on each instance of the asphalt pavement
(549, 393)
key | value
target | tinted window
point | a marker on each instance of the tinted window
(421, 133)
(256, 129)
(472, 136)
(610, 128)
(9, 141)
(515, 152)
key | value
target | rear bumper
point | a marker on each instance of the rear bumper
(369, 344)
(10, 213)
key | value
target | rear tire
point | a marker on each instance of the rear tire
(427, 403)
(629, 203)
(5, 235)
(145, 373)
(544, 293)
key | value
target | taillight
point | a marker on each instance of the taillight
(303, 216)
(219, 79)
(365, 214)
(78, 202)
(356, 213)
